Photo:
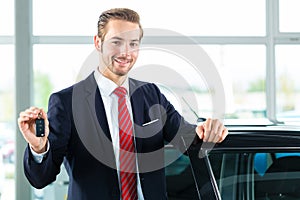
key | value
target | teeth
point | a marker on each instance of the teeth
(121, 60)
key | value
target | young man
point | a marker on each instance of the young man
(109, 129)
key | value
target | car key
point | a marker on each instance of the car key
(40, 126)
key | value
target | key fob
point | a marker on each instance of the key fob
(40, 127)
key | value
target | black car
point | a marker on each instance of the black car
(253, 163)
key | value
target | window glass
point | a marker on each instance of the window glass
(215, 17)
(56, 67)
(264, 175)
(288, 85)
(6, 17)
(179, 177)
(7, 122)
(243, 71)
(180, 81)
(289, 16)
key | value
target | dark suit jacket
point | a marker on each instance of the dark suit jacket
(79, 137)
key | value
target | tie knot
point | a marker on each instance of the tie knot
(120, 91)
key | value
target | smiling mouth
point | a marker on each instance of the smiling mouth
(122, 61)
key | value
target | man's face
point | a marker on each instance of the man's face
(120, 47)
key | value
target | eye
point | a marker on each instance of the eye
(134, 44)
(117, 43)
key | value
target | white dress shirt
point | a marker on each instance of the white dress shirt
(110, 101)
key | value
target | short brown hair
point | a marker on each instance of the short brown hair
(119, 14)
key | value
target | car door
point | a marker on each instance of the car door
(261, 163)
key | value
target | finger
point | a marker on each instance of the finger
(24, 120)
(31, 112)
(215, 131)
(200, 131)
(34, 109)
(44, 114)
(224, 135)
(218, 133)
(207, 129)
(212, 133)
(26, 113)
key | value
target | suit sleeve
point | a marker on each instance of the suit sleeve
(44, 173)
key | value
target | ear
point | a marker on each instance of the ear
(97, 43)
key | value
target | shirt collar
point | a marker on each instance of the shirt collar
(107, 86)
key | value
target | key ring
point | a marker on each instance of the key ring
(40, 115)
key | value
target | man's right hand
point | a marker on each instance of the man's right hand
(26, 122)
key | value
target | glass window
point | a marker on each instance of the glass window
(213, 18)
(57, 67)
(288, 85)
(259, 176)
(6, 17)
(289, 16)
(207, 18)
(181, 82)
(7, 122)
(243, 71)
(179, 177)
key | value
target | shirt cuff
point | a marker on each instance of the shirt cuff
(38, 157)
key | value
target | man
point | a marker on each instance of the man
(109, 130)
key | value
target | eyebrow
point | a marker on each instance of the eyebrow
(119, 38)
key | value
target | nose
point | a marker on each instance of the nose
(125, 49)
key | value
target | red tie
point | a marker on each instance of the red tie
(127, 155)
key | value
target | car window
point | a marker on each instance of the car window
(265, 175)
(179, 177)
(280, 177)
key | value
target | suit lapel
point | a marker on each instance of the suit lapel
(95, 102)
(101, 114)
(90, 121)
